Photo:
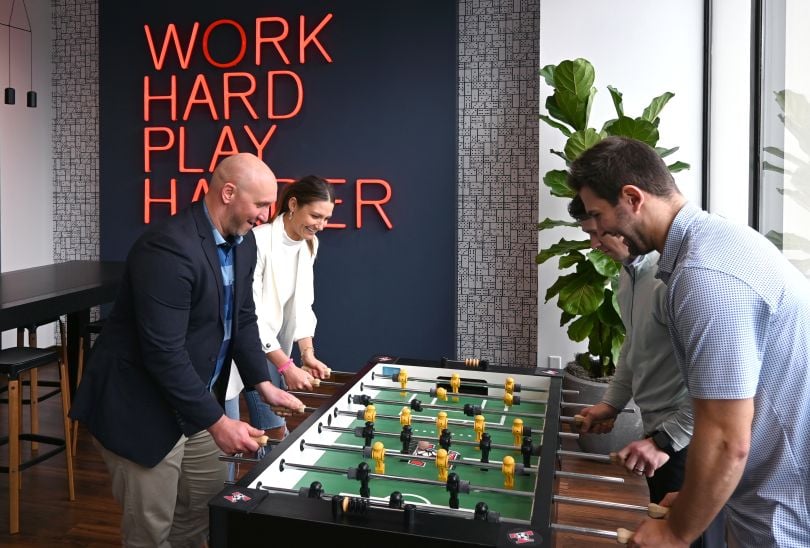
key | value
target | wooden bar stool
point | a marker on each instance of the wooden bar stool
(14, 362)
(33, 382)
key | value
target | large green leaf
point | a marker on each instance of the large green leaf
(564, 129)
(581, 141)
(557, 182)
(554, 110)
(575, 77)
(635, 128)
(604, 265)
(616, 95)
(565, 317)
(678, 166)
(664, 152)
(547, 223)
(607, 314)
(582, 295)
(656, 106)
(561, 282)
(572, 259)
(562, 247)
(573, 92)
(547, 73)
(580, 329)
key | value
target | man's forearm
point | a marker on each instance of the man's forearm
(714, 466)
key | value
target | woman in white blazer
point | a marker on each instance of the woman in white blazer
(283, 293)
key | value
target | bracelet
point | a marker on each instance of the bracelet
(308, 348)
(285, 366)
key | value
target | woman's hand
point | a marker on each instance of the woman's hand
(314, 366)
(297, 379)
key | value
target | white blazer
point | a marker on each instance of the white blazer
(276, 331)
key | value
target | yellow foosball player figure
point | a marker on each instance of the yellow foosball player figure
(479, 426)
(441, 393)
(508, 469)
(403, 381)
(378, 454)
(441, 464)
(441, 422)
(509, 385)
(455, 384)
(517, 431)
(371, 413)
(405, 417)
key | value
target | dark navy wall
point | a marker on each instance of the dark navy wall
(385, 108)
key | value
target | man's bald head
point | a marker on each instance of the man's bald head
(240, 194)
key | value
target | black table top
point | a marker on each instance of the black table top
(41, 293)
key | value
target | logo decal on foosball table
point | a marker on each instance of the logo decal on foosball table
(429, 450)
(236, 496)
(522, 536)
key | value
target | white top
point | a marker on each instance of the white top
(283, 291)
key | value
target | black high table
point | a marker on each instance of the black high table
(35, 295)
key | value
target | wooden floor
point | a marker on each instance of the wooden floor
(47, 518)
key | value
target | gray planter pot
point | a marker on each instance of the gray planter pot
(627, 428)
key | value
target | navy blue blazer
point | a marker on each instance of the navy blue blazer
(145, 381)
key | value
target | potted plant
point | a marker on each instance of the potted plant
(586, 295)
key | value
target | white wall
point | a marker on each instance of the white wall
(643, 48)
(26, 160)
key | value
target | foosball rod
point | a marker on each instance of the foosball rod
(465, 487)
(520, 470)
(612, 458)
(416, 405)
(583, 405)
(653, 510)
(425, 419)
(434, 393)
(377, 502)
(621, 535)
(484, 384)
(358, 432)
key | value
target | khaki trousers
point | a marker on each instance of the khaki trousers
(167, 506)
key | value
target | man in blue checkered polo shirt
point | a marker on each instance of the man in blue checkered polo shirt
(740, 324)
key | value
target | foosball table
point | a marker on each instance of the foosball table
(412, 452)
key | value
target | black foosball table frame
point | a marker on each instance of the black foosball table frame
(243, 516)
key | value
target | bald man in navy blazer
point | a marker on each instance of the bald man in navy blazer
(153, 390)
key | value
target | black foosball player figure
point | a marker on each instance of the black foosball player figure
(368, 433)
(405, 438)
(526, 450)
(486, 446)
(362, 477)
(452, 487)
(445, 439)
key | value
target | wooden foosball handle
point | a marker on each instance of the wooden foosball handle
(623, 535)
(286, 412)
(309, 370)
(261, 440)
(656, 511)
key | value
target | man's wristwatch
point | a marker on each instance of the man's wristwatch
(663, 442)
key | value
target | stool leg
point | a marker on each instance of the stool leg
(79, 371)
(14, 455)
(65, 389)
(33, 390)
